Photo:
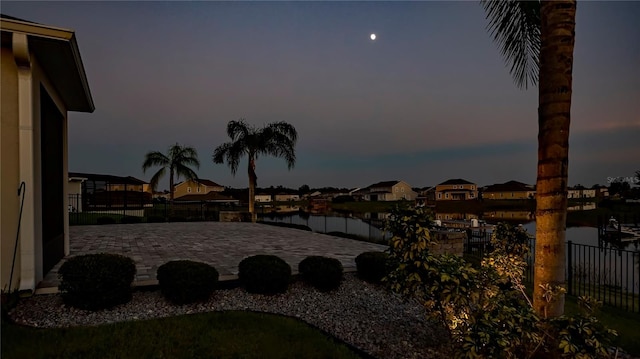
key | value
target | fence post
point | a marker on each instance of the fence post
(569, 267)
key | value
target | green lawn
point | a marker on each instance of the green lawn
(626, 323)
(208, 335)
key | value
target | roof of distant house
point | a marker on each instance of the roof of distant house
(384, 184)
(107, 178)
(202, 181)
(455, 181)
(511, 186)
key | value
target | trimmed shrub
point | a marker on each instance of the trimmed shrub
(264, 274)
(185, 281)
(106, 220)
(373, 266)
(130, 219)
(321, 272)
(96, 281)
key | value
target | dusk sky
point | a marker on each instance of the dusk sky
(430, 99)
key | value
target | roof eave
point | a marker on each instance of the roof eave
(76, 94)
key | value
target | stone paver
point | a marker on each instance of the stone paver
(221, 244)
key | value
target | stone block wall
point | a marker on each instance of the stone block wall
(448, 242)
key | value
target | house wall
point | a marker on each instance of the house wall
(192, 187)
(9, 166)
(262, 198)
(402, 190)
(20, 138)
(470, 190)
(286, 197)
(508, 195)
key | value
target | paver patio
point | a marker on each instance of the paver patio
(220, 244)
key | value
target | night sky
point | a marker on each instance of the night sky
(430, 99)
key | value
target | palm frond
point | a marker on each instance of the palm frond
(154, 158)
(182, 170)
(238, 129)
(156, 178)
(515, 27)
(230, 152)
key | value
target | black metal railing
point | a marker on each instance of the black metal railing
(606, 273)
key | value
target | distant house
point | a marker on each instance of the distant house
(581, 192)
(285, 197)
(426, 196)
(456, 190)
(389, 191)
(74, 189)
(263, 198)
(100, 191)
(601, 191)
(196, 187)
(509, 191)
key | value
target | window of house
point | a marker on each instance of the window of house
(512, 195)
(189, 189)
(470, 195)
(402, 189)
(439, 195)
(455, 186)
(461, 186)
(198, 189)
(446, 195)
(473, 187)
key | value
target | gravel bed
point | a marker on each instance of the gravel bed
(359, 313)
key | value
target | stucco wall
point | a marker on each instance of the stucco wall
(9, 166)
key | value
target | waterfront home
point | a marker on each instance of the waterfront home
(456, 190)
(509, 191)
(389, 191)
(196, 187)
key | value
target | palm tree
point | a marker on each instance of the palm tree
(176, 161)
(277, 139)
(537, 39)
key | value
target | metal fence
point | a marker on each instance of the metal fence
(81, 213)
(606, 273)
(368, 228)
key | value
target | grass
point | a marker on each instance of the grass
(208, 335)
(624, 322)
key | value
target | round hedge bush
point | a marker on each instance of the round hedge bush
(264, 274)
(186, 281)
(324, 273)
(96, 281)
(373, 266)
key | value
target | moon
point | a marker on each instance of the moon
(373, 36)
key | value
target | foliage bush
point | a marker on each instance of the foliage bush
(321, 272)
(264, 274)
(96, 281)
(373, 266)
(486, 310)
(106, 220)
(186, 281)
(130, 219)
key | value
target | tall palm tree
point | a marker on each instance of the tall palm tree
(277, 139)
(176, 161)
(537, 39)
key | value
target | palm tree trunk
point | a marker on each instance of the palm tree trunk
(171, 192)
(555, 87)
(252, 189)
